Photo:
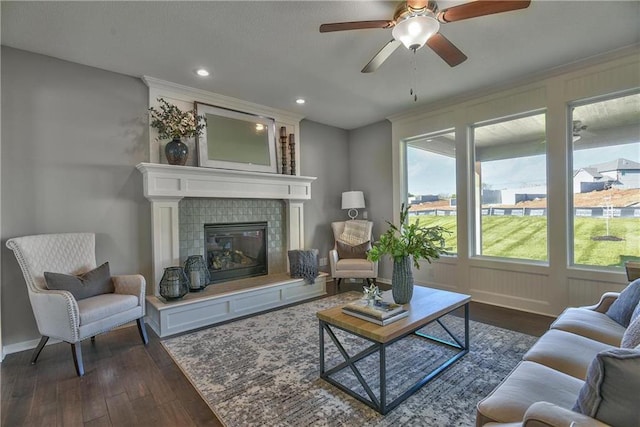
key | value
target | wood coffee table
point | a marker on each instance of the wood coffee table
(427, 305)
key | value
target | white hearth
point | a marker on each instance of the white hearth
(164, 186)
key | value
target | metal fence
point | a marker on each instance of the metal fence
(592, 212)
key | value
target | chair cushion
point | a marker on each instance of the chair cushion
(610, 393)
(86, 285)
(350, 264)
(565, 352)
(102, 306)
(622, 308)
(590, 324)
(528, 383)
(346, 250)
(356, 232)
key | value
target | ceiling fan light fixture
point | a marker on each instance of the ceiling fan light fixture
(414, 31)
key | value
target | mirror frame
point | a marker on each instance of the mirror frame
(202, 143)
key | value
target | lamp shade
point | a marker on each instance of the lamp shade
(352, 200)
(414, 31)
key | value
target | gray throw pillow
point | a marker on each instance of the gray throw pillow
(623, 307)
(631, 337)
(86, 285)
(347, 251)
(612, 387)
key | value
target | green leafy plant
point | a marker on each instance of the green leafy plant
(172, 122)
(409, 239)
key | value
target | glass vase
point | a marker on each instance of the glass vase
(402, 280)
(177, 152)
(197, 272)
(174, 283)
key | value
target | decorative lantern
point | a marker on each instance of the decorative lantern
(197, 273)
(174, 283)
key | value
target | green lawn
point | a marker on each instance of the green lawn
(526, 238)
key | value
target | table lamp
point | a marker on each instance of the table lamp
(352, 200)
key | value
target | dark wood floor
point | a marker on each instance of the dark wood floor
(128, 384)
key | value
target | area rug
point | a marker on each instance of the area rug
(264, 371)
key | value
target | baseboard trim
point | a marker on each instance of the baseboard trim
(31, 344)
(25, 345)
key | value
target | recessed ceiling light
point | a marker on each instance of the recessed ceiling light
(300, 101)
(202, 72)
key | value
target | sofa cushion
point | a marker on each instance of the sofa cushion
(610, 393)
(86, 285)
(565, 352)
(528, 383)
(102, 306)
(623, 307)
(346, 250)
(590, 324)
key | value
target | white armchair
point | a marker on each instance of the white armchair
(351, 268)
(57, 312)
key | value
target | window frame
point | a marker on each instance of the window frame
(475, 216)
(570, 231)
(404, 144)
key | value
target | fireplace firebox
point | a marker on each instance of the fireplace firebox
(236, 250)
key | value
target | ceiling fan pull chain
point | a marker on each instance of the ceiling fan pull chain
(413, 77)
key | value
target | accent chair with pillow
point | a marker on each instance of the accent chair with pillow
(72, 299)
(348, 258)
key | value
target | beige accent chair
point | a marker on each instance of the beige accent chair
(352, 268)
(57, 312)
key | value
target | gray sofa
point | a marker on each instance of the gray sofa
(544, 387)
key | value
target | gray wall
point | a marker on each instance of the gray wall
(370, 170)
(324, 154)
(72, 136)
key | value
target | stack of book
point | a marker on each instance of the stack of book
(381, 313)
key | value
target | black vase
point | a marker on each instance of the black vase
(176, 152)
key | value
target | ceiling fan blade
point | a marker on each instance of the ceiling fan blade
(446, 50)
(381, 56)
(480, 8)
(357, 25)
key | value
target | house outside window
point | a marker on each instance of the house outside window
(510, 182)
(605, 204)
(431, 183)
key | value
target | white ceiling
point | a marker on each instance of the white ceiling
(272, 52)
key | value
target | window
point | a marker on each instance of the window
(605, 136)
(431, 183)
(511, 188)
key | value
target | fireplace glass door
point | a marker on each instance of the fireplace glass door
(236, 250)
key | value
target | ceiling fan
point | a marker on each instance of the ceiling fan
(417, 22)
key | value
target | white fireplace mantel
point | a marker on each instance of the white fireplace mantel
(165, 185)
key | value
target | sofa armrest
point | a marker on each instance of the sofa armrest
(131, 284)
(545, 414)
(605, 302)
(56, 313)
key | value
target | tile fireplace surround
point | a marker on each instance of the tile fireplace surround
(165, 186)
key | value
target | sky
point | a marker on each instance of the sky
(430, 173)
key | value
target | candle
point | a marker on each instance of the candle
(283, 131)
(195, 279)
(174, 286)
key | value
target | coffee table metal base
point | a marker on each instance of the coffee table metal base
(380, 403)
